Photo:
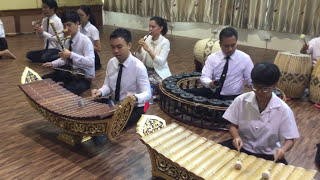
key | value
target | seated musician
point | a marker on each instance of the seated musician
(126, 75)
(79, 57)
(88, 28)
(312, 48)
(44, 31)
(4, 51)
(153, 51)
(224, 71)
(261, 123)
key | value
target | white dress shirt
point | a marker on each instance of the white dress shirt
(239, 70)
(82, 54)
(260, 132)
(314, 49)
(90, 31)
(2, 34)
(161, 48)
(134, 80)
(50, 35)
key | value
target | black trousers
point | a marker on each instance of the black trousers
(97, 63)
(228, 143)
(3, 44)
(42, 56)
(207, 93)
(77, 86)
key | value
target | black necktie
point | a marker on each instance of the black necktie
(223, 76)
(47, 44)
(117, 93)
(70, 47)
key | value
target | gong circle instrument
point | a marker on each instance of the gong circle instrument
(295, 72)
(194, 110)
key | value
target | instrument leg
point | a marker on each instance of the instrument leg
(72, 139)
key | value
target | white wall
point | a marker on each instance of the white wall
(279, 41)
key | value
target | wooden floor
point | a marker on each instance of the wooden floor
(29, 148)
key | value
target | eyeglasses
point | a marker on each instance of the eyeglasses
(262, 89)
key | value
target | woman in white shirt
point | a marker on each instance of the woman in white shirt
(4, 51)
(88, 28)
(153, 51)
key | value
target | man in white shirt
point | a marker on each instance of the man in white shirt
(312, 48)
(261, 123)
(126, 75)
(225, 71)
(79, 57)
(4, 51)
(44, 31)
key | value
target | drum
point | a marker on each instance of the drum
(203, 49)
(314, 93)
(295, 73)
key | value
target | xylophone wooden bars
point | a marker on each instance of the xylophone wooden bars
(77, 116)
(177, 153)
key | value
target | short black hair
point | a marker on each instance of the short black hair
(265, 73)
(123, 33)
(161, 22)
(51, 4)
(86, 9)
(70, 16)
(228, 32)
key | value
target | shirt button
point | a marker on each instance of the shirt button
(257, 127)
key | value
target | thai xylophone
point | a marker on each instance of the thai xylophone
(78, 117)
(177, 153)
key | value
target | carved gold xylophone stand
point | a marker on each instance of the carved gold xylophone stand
(60, 107)
(177, 153)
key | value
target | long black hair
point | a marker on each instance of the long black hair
(86, 9)
(161, 22)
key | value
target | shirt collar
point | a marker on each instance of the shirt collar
(157, 41)
(76, 38)
(252, 100)
(127, 61)
(87, 26)
(51, 17)
(233, 56)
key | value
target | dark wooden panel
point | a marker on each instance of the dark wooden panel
(96, 10)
